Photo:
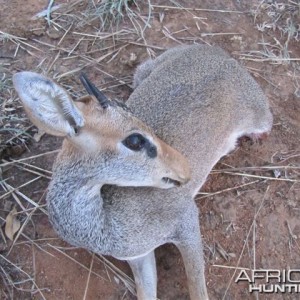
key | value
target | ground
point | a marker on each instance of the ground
(250, 204)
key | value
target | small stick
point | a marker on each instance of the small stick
(27, 158)
(62, 38)
(275, 59)
(293, 236)
(220, 33)
(19, 187)
(231, 267)
(36, 167)
(53, 62)
(199, 9)
(89, 276)
(16, 192)
(148, 46)
(33, 172)
(98, 36)
(216, 171)
(10, 36)
(262, 177)
(18, 134)
(227, 190)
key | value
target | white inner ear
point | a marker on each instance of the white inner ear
(47, 104)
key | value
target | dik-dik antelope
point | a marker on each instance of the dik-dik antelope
(198, 100)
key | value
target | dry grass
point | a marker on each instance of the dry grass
(275, 16)
(13, 122)
(283, 16)
(111, 13)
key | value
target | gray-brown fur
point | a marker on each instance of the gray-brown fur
(197, 99)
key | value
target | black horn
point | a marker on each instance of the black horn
(92, 90)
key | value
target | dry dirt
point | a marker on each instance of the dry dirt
(60, 271)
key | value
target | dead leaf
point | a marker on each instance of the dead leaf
(12, 224)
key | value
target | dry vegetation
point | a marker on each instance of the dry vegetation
(94, 36)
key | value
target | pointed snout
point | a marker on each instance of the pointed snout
(176, 164)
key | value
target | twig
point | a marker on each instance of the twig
(16, 192)
(227, 190)
(19, 187)
(89, 276)
(231, 267)
(220, 33)
(198, 9)
(148, 46)
(27, 158)
(261, 177)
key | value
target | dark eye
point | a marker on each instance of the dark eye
(135, 142)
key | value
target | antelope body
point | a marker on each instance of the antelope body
(198, 100)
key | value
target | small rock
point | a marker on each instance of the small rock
(54, 34)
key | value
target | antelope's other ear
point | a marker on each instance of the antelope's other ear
(47, 105)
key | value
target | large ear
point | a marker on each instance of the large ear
(47, 104)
